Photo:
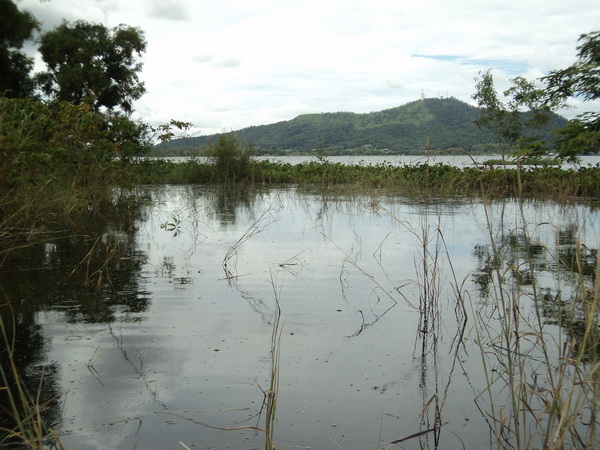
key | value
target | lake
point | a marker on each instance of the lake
(157, 331)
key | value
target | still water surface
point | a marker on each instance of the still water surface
(173, 345)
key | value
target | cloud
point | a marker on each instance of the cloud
(177, 10)
(234, 63)
(511, 67)
(228, 63)
(202, 58)
(52, 14)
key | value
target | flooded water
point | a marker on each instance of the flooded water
(163, 338)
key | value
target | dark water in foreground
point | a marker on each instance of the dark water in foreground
(173, 337)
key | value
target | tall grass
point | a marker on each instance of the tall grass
(438, 180)
(273, 392)
(22, 409)
(540, 352)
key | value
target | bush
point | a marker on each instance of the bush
(232, 161)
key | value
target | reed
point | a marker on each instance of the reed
(437, 179)
(272, 393)
(22, 410)
(262, 223)
(540, 353)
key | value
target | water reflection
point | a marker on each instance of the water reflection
(146, 330)
(87, 277)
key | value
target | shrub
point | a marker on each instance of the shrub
(232, 161)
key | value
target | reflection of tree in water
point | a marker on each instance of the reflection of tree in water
(83, 276)
(86, 277)
(521, 262)
(38, 376)
(228, 200)
(573, 256)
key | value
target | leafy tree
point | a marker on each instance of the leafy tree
(582, 79)
(515, 122)
(16, 27)
(494, 114)
(89, 63)
(42, 142)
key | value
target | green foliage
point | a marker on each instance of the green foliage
(41, 141)
(513, 127)
(88, 63)
(55, 156)
(57, 140)
(166, 132)
(529, 150)
(232, 161)
(507, 121)
(580, 136)
(543, 181)
(582, 80)
(16, 27)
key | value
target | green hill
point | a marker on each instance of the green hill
(447, 123)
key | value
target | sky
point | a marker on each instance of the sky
(228, 64)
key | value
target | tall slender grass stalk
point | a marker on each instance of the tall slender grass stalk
(23, 408)
(550, 375)
(273, 392)
(258, 227)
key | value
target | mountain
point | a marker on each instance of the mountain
(446, 123)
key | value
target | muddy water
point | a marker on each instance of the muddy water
(163, 334)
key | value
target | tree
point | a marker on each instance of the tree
(516, 122)
(582, 80)
(494, 114)
(89, 63)
(16, 27)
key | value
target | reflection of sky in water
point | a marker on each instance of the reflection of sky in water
(339, 266)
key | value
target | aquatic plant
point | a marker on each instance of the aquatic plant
(22, 410)
(542, 386)
(439, 180)
(232, 161)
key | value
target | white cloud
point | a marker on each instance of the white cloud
(232, 63)
(168, 9)
(227, 63)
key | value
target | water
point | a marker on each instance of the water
(173, 343)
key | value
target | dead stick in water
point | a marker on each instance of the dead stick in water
(420, 433)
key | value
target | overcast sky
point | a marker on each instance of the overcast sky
(229, 64)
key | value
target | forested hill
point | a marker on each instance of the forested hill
(447, 123)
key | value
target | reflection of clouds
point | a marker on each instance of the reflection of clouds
(202, 342)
